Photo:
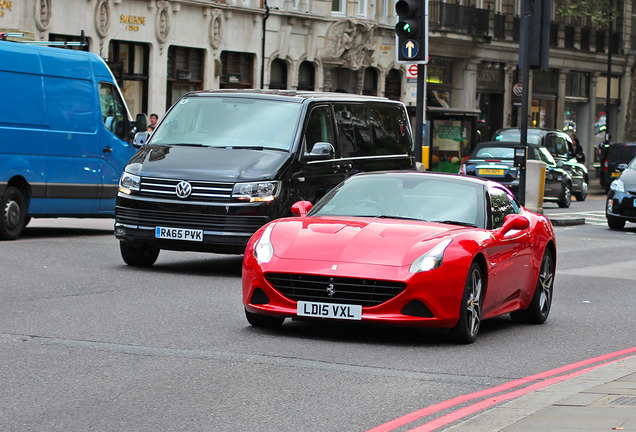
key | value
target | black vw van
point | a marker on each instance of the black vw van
(223, 163)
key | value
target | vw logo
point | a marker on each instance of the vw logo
(331, 290)
(184, 189)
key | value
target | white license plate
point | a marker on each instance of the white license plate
(329, 310)
(179, 234)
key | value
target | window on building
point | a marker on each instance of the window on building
(237, 70)
(185, 72)
(338, 7)
(362, 8)
(370, 87)
(393, 85)
(130, 65)
(278, 75)
(306, 76)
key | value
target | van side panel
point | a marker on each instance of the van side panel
(52, 134)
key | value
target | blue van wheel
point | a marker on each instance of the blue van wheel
(13, 212)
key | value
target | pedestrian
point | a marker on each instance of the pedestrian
(578, 150)
(153, 122)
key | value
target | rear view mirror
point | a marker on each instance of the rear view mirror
(141, 122)
(514, 222)
(140, 139)
(322, 150)
(301, 208)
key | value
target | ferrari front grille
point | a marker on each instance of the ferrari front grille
(327, 289)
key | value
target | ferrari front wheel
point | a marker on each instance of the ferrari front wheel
(470, 312)
(266, 321)
(539, 309)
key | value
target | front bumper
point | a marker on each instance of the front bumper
(430, 299)
(621, 205)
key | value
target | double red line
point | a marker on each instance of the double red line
(544, 379)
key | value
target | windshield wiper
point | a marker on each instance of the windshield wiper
(454, 222)
(397, 217)
(257, 148)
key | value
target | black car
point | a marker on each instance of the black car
(559, 144)
(621, 199)
(495, 161)
(612, 156)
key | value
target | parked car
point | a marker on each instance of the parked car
(495, 161)
(621, 199)
(559, 144)
(223, 163)
(405, 248)
(611, 157)
(65, 135)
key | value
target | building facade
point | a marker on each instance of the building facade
(158, 50)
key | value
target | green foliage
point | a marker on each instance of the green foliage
(595, 10)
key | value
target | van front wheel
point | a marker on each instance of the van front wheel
(143, 256)
(13, 213)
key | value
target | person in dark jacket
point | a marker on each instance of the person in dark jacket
(578, 150)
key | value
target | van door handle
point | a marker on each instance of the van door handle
(107, 150)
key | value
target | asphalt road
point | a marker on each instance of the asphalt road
(87, 343)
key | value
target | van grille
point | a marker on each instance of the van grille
(201, 190)
(365, 292)
(206, 222)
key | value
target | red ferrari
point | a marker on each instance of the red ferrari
(405, 248)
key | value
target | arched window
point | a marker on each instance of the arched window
(393, 85)
(370, 82)
(306, 76)
(278, 76)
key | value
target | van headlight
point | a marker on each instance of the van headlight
(431, 259)
(256, 191)
(129, 183)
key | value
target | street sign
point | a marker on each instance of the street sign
(517, 89)
(410, 49)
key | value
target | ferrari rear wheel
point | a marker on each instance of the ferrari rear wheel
(470, 313)
(539, 309)
(265, 321)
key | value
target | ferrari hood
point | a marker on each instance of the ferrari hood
(375, 241)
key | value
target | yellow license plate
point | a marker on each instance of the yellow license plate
(487, 171)
(615, 174)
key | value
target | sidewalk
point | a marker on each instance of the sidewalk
(603, 399)
(557, 220)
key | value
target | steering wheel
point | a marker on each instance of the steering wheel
(371, 205)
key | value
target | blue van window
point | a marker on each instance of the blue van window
(113, 112)
(70, 104)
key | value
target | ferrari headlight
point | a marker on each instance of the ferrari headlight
(263, 250)
(129, 183)
(256, 191)
(617, 186)
(431, 259)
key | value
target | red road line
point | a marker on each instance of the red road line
(416, 415)
(487, 403)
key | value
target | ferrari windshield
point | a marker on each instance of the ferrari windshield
(407, 196)
(230, 122)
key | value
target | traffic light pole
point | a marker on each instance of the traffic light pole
(419, 111)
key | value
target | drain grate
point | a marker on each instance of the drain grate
(623, 400)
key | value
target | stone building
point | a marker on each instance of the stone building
(158, 50)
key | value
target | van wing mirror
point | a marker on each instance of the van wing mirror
(141, 122)
(140, 139)
(322, 150)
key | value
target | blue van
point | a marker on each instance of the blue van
(65, 135)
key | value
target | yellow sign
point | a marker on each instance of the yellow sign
(5, 5)
(133, 22)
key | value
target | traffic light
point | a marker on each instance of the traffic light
(411, 31)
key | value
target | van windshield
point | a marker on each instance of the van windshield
(230, 122)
